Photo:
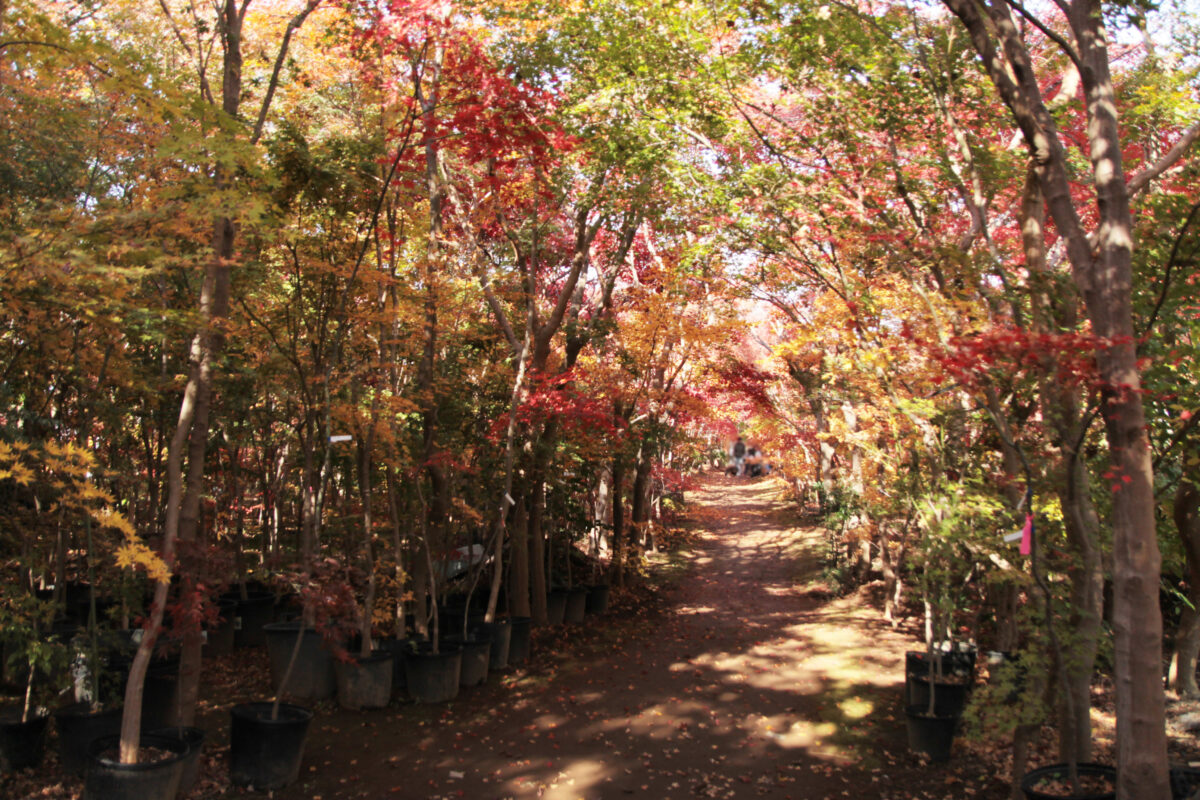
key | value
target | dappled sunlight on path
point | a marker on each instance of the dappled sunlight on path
(749, 684)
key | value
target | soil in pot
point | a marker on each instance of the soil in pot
(960, 663)
(265, 753)
(312, 676)
(156, 776)
(194, 739)
(433, 677)
(518, 642)
(77, 726)
(932, 735)
(576, 607)
(365, 682)
(22, 744)
(1053, 782)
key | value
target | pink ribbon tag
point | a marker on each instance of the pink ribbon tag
(1027, 536)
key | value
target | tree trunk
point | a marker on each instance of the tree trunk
(1186, 513)
(537, 550)
(429, 98)
(640, 512)
(518, 593)
(892, 586)
(1082, 526)
(1101, 266)
(617, 565)
(366, 446)
(398, 575)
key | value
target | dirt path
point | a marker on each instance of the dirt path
(745, 685)
(742, 681)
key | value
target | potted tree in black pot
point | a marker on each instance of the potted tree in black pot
(433, 669)
(128, 765)
(36, 663)
(936, 698)
(266, 739)
(364, 678)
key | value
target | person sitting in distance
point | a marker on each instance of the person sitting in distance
(739, 456)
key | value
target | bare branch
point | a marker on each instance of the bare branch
(292, 27)
(1141, 180)
(1050, 34)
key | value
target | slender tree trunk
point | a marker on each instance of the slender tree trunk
(1101, 266)
(397, 549)
(1186, 513)
(537, 548)
(310, 504)
(207, 347)
(640, 511)
(365, 452)
(506, 500)
(1082, 526)
(518, 596)
(427, 89)
(617, 564)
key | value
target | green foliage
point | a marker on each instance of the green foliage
(32, 656)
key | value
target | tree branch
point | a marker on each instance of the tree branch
(292, 27)
(1141, 180)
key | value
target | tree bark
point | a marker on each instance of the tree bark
(1186, 513)
(617, 564)
(518, 592)
(639, 513)
(1101, 266)
(537, 549)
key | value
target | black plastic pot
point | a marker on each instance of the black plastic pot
(501, 633)
(77, 726)
(252, 614)
(576, 606)
(312, 676)
(433, 677)
(22, 744)
(1062, 772)
(518, 642)
(108, 779)
(949, 699)
(265, 753)
(476, 655)
(597, 599)
(194, 739)
(556, 606)
(365, 682)
(931, 735)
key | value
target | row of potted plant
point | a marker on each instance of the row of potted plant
(938, 682)
(306, 640)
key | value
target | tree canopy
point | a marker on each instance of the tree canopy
(375, 280)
